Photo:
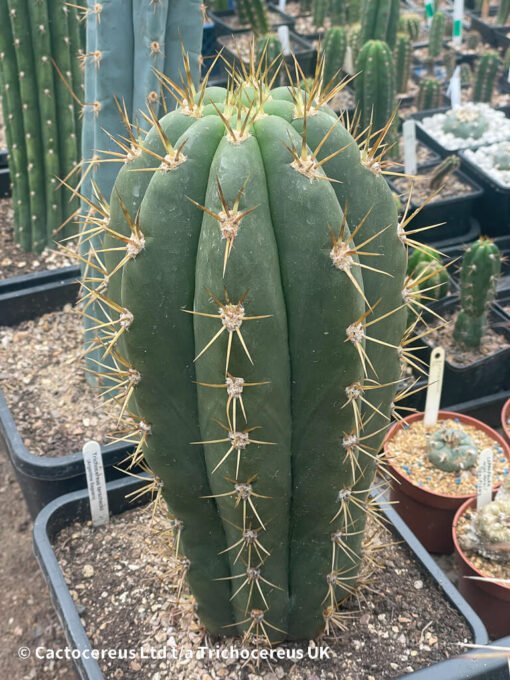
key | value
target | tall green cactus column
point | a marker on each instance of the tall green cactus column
(263, 345)
(379, 21)
(375, 85)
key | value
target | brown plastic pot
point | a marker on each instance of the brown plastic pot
(505, 419)
(491, 601)
(430, 515)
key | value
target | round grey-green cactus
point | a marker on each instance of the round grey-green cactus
(451, 449)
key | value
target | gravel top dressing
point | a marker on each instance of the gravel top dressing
(407, 452)
(498, 127)
(454, 186)
(129, 589)
(56, 411)
(487, 567)
(484, 159)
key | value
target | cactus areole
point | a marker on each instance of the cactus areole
(255, 274)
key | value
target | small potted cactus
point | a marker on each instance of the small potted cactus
(434, 471)
(482, 555)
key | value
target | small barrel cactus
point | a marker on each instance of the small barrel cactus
(333, 49)
(481, 267)
(466, 122)
(437, 34)
(485, 77)
(410, 24)
(379, 21)
(402, 55)
(489, 530)
(261, 424)
(429, 94)
(441, 172)
(501, 156)
(375, 85)
(451, 449)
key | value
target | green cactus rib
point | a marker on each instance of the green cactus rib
(436, 34)
(11, 102)
(379, 21)
(481, 267)
(288, 465)
(333, 49)
(429, 94)
(319, 12)
(20, 27)
(403, 54)
(485, 77)
(339, 11)
(503, 12)
(254, 13)
(375, 85)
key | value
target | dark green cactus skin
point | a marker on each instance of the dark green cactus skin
(437, 34)
(254, 12)
(466, 75)
(339, 12)
(289, 274)
(429, 94)
(319, 12)
(268, 51)
(333, 49)
(354, 40)
(403, 55)
(38, 110)
(410, 24)
(481, 267)
(379, 21)
(375, 85)
(451, 449)
(485, 77)
(442, 171)
(503, 12)
(422, 256)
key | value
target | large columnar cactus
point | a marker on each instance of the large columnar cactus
(128, 41)
(481, 267)
(319, 12)
(403, 55)
(333, 49)
(379, 21)
(263, 364)
(429, 94)
(485, 77)
(254, 12)
(375, 85)
(39, 69)
(437, 34)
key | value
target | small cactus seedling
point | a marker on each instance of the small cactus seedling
(485, 77)
(466, 122)
(410, 24)
(501, 156)
(333, 49)
(437, 34)
(379, 21)
(441, 172)
(489, 530)
(481, 267)
(375, 85)
(402, 55)
(429, 94)
(262, 425)
(451, 449)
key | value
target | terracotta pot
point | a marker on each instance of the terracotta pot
(505, 419)
(428, 514)
(491, 601)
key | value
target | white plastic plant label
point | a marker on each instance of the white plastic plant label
(454, 89)
(283, 35)
(434, 387)
(485, 478)
(508, 76)
(458, 18)
(96, 483)
(282, 4)
(410, 162)
(348, 61)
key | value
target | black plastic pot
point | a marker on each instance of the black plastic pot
(487, 31)
(493, 208)
(74, 507)
(487, 409)
(223, 27)
(43, 478)
(486, 376)
(3, 158)
(302, 50)
(455, 212)
(5, 183)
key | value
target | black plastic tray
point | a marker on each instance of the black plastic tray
(43, 478)
(5, 182)
(74, 507)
